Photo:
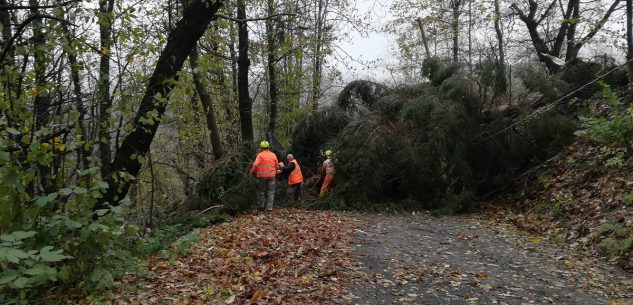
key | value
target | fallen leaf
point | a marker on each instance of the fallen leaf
(535, 239)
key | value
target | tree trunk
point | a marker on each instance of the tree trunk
(539, 44)
(563, 30)
(470, 37)
(499, 32)
(456, 9)
(629, 40)
(233, 55)
(272, 58)
(83, 152)
(318, 61)
(42, 100)
(196, 17)
(243, 63)
(5, 22)
(571, 53)
(596, 28)
(105, 18)
(207, 106)
(424, 41)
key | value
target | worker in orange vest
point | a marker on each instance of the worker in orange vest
(295, 178)
(265, 169)
(328, 170)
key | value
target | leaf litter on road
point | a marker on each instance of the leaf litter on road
(283, 257)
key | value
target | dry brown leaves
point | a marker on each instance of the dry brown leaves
(283, 257)
(571, 196)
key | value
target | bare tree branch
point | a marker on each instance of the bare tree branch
(598, 25)
(22, 26)
(28, 7)
(255, 19)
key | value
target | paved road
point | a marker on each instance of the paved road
(421, 259)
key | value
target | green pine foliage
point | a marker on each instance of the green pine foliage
(428, 146)
(313, 131)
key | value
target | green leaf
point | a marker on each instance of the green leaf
(71, 224)
(13, 131)
(4, 156)
(101, 185)
(65, 192)
(80, 190)
(44, 200)
(47, 254)
(8, 276)
(20, 235)
(117, 209)
(21, 282)
(8, 238)
(14, 255)
(102, 212)
(42, 270)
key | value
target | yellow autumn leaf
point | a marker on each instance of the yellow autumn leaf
(535, 239)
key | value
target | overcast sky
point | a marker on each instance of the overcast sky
(371, 51)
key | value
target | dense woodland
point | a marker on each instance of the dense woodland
(121, 120)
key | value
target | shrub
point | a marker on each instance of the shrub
(612, 125)
(226, 182)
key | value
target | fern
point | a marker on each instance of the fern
(612, 227)
(616, 247)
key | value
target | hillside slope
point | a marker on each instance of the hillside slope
(583, 197)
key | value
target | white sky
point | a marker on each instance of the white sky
(371, 50)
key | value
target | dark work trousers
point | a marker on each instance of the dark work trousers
(266, 193)
(294, 192)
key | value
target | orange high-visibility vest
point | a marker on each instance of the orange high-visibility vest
(265, 165)
(295, 176)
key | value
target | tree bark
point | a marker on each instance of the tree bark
(196, 17)
(207, 106)
(499, 32)
(5, 22)
(233, 55)
(424, 41)
(629, 39)
(318, 60)
(532, 25)
(272, 59)
(456, 6)
(563, 29)
(83, 152)
(243, 64)
(571, 53)
(105, 17)
(42, 100)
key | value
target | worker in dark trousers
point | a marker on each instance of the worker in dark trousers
(295, 178)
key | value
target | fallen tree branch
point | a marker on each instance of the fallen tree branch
(210, 208)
